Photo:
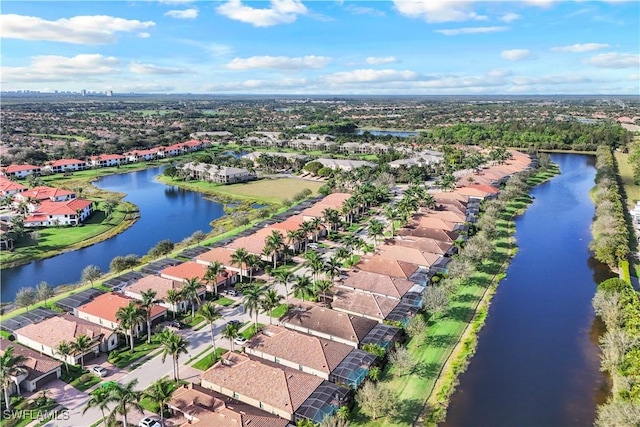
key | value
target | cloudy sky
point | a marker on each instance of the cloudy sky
(429, 47)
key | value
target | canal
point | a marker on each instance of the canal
(537, 361)
(165, 213)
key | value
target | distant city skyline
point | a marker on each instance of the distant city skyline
(399, 47)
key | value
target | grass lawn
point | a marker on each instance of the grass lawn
(209, 359)
(124, 357)
(224, 301)
(280, 311)
(82, 380)
(251, 330)
(264, 190)
(5, 334)
(626, 174)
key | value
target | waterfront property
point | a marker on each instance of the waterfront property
(190, 269)
(20, 171)
(46, 336)
(376, 284)
(66, 165)
(104, 308)
(217, 174)
(9, 187)
(345, 164)
(70, 212)
(161, 286)
(35, 372)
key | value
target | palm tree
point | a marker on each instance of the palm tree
(160, 392)
(284, 276)
(211, 275)
(332, 267)
(323, 286)
(239, 258)
(146, 304)
(174, 345)
(302, 285)
(9, 365)
(306, 228)
(231, 332)
(211, 313)
(251, 299)
(190, 292)
(273, 244)
(125, 398)
(270, 301)
(174, 296)
(253, 262)
(128, 317)
(392, 215)
(316, 222)
(80, 346)
(342, 253)
(314, 262)
(64, 350)
(293, 238)
(376, 229)
(99, 398)
(332, 217)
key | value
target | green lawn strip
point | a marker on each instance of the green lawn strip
(192, 358)
(280, 311)
(123, 357)
(224, 301)
(251, 330)
(625, 171)
(152, 406)
(5, 334)
(76, 377)
(210, 359)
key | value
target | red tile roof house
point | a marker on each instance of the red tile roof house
(106, 160)
(410, 255)
(20, 171)
(46, 193)
(45, 336)
(190, 269)
(376, 284)
(223, 256)
(35, 372)
(374, 307)
(389, 267)
(479, 191)
(161, 286)
(280, 391)
(253, 243)
(306, 353)
(328, 324)
(103, 308)
(424, 244)
(430, 233)
(71, 212)
(8, 187)
(141, 155)
(332, 201)
(66, 165)
(205, 408)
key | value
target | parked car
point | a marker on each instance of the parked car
(232, 292)
(240, 341)
(100, 371)
(178, 324)
(149, 422)
(234, 322)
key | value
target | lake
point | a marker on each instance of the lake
(165, 213)
(537, 361)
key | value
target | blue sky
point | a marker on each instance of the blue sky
(430, 47)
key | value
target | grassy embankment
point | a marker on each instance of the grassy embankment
(445, 347)
(631, 195)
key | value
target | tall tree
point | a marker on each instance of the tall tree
(302, 286)
(253, 263)
(160, 392)
(26, 297)
(376, 229)
(99, 398)
(284, 276)
(251, 299)
(64, 349)
(239, 258)
(270, 301)
(231, 332)
(125, 398)
(9, 365)
(44, 291)
(91, 273)
(273, 245)
(211, 313)
(190, 291)
(174, 296)
(173, 345)
(128, 318)
(80, 346)
(146, 304)
(211, 275)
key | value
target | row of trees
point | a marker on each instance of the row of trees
(611, 235)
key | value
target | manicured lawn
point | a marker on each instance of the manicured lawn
(5, 334)
(210, 359)
(224, 301)
(626, 175)
(123, 357)
(280, 311)
(82, 380)
(251, 330)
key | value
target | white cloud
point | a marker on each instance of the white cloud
(280, 12)
(145, 88)
(438, 10)
(174, 2)
(550, 80)
(515, 54)
(580, 47)
(97, 29)
(471, 30)
(362, 10)
(154, 69)
(510, 17)
(279, 62)
(53, 68)
(144, 35)
(377, 60)
(182, 14)
(615, 60)
(255, 85)
(371, 76)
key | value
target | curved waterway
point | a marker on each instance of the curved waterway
(165, 213)
(537, 361)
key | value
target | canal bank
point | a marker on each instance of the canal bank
(537, 359)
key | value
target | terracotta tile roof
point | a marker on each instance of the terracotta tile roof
(479, 190)
(107, 157)
(282, 388)
(376, 283)
(390, 267)
(186, 270)
(254, 243)
(333, 201)
(364, 303)
(443, 196)
(410, 255)
(222, 255)
(43, 193)
(6, 185)
(66, 327)
(37, 364)
(423, 221)
(65, 162)
(290, 224)
(331, 322)
(47, 207)
(307, 350)
(445, 213)
(106, 306)
(19, 168)
(422, 243)
(431, 233)
(159, 284)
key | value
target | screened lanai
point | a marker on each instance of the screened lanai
(353, 369)
(323, 402)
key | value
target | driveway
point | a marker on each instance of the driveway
(66, 395)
